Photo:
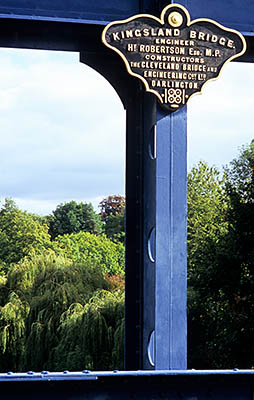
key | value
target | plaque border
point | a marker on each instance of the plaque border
(161, 20)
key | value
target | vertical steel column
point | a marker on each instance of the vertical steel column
(171, 251)
(156, 236)
(140, 221)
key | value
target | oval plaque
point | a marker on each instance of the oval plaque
(173, 56)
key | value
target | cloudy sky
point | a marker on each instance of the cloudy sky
(61, 141)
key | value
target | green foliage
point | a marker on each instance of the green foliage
(91, 336)
(240, 174)
(114, 227)
(221, 276)
(46, 285)
(207, 224)
(60, 288)
(20, 234)
(50, 284)
(99, 249)
(233, 267)
(12, 332)
(41, 273)
(74, 217)
(207, 207)
(113, 217)
(43, 220)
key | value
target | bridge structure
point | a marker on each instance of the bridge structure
(156, 210)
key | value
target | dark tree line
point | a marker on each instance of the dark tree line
(221, 264)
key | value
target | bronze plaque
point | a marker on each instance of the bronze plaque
(173, 56)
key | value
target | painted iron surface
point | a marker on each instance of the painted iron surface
(85, 375)
(154, 385)
(237, 14)
(98, 11)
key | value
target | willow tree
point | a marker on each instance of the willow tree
(13, 316)
(91, 336)
(40, 289)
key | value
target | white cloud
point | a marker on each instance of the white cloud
(62, 131)
(220, 119)
(62, 128)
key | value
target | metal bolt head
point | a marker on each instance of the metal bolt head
(175, 19)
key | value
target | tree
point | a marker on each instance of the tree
(44, 280)
(12, 332)
(91, 336)
(74, 217)
(20, 234)
(38, 290)
(114, 227)
(221, 281)
(240, 174)
(235, 260)
(207, 209)
(207, 225)
(111, 205)
(113, 217)
(84, 246)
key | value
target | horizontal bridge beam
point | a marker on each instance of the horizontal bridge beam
(165, 385)
(230, 13)
(85, 11)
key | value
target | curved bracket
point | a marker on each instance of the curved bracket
(112, 68)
